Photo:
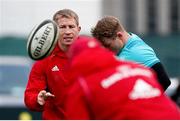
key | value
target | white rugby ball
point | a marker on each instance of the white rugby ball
(42, 39)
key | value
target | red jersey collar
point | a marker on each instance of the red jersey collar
(58, 52)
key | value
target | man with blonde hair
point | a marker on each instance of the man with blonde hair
(47, 84)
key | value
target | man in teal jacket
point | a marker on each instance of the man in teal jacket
(128, 46)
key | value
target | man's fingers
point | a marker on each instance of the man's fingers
(42, 96)
(48, 94)
(42, 93)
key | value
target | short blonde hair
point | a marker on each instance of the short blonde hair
(67, 13)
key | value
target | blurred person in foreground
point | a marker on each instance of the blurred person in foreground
(128, 46)
(104, 87)
(47, 84)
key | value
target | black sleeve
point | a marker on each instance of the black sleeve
(161, 75)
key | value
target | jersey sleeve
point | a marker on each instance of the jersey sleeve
(36, 83)
(162, 76)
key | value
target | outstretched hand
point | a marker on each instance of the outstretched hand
(42, 96)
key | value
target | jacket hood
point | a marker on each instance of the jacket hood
(87, 56)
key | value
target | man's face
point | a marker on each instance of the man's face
(114, 44)
(69, 30)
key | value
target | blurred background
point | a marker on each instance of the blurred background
(156, 21)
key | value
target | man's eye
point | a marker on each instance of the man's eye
(71, 26)
(61, 27)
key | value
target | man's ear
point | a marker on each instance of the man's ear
(79, 28)
(120, 34)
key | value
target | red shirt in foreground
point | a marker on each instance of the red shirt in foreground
(106, 88)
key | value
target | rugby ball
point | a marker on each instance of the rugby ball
(42, 39)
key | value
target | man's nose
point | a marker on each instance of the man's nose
(68, 31)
